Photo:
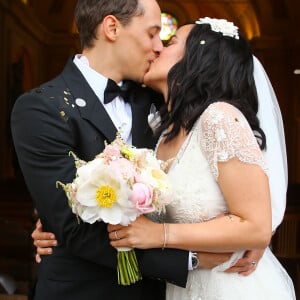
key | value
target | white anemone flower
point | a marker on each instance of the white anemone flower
(103, 196)
(84, 172)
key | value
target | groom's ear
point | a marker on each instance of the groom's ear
(110, 27)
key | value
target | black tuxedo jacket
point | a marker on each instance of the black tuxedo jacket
(47, 123)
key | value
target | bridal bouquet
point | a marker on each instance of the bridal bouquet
(116, 187)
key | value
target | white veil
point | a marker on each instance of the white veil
(275, 155)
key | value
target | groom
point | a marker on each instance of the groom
(73, 112)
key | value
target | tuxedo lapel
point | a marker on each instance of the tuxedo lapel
(93, 111)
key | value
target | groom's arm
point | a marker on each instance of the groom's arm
(150, 261)
(167, 264)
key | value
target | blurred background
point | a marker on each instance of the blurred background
(36, 39)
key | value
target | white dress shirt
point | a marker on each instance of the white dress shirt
(119, 111)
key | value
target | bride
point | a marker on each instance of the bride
(223, 142)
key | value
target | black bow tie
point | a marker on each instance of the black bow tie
(112, 90)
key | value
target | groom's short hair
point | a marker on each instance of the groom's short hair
(90, 13)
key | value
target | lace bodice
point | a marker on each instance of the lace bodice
(221, 133)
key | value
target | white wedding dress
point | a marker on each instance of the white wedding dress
(221, 133)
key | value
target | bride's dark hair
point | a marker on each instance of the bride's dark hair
(214, 68)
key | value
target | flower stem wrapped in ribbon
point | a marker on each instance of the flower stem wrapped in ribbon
(116, 187)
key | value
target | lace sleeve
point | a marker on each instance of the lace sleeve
(224, 133)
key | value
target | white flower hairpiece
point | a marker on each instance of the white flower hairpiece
(221, 25)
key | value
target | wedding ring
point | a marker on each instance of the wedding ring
(116, 236)
(253, 263)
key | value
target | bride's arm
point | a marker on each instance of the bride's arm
(248, 226)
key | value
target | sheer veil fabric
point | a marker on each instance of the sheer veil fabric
(275, 155)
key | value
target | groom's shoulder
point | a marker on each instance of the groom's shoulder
(53, 87)
(54, 92)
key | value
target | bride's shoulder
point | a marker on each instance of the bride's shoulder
(219, 112)
(221, 107)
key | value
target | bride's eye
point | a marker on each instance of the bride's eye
(169, 43)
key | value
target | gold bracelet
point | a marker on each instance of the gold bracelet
(165, 236)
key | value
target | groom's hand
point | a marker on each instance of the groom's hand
(43, 241)
(248, 263)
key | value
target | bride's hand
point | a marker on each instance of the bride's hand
(248, 263)
(142, 234)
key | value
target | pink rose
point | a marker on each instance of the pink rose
(142, 197)
(111, 153)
